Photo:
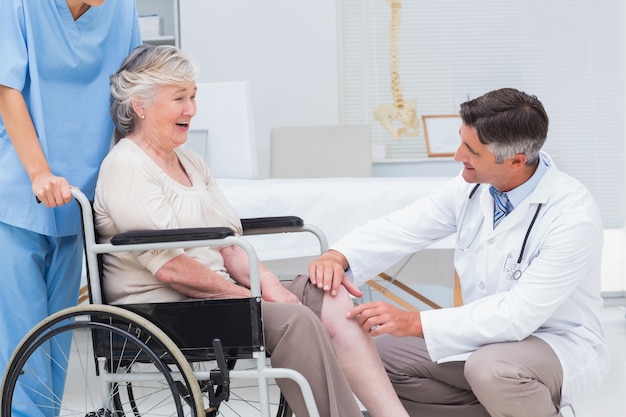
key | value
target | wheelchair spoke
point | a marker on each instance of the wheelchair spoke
(79, 384)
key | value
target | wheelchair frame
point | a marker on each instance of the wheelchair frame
(141, 331)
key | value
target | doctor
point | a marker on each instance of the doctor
(528, 339)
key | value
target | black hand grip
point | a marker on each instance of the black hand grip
(271, 222)
(171, 235)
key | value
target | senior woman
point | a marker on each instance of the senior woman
(149, 182)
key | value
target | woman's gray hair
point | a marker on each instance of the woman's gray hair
(144, 70)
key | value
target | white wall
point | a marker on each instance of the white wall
(613, 263)
(286, 49)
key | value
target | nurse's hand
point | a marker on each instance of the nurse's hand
(328, 273)
(382, 318)
(51, 190)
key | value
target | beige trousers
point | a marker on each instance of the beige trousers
(503, 379)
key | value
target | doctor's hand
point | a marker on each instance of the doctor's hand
(51, 190)
(328, 273)
(379, 317)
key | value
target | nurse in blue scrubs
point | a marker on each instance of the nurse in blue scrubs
(55, 60)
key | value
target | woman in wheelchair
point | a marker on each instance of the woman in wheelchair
(148, 181)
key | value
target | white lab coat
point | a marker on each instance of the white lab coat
(557, 297)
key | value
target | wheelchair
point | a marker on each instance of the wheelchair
(151, 359)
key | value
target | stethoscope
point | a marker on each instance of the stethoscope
(513, 270)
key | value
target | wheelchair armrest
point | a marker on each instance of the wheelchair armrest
(171, 235)
(262, 223)
(282, 224)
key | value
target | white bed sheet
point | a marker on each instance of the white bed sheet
(336, 205)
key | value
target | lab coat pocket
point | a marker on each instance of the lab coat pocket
(511, 273)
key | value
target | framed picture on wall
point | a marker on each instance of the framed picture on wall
(442, 134)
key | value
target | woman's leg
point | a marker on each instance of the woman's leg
(354, 347)
(296, 339)
(359, 359)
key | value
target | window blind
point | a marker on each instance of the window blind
(569, 53)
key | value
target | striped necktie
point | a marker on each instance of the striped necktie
(500, 206)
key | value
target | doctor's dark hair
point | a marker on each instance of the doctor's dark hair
(142, 72)
(508, 122)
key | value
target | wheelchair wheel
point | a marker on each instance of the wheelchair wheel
(104, 349)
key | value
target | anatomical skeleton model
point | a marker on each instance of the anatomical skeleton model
(388, 115)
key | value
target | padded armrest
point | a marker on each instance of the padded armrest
(271, 222)
(202, 233)
(171, 235)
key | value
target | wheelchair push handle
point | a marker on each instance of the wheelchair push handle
(72, 190)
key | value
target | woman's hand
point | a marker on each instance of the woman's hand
(273, 290)
(236, 263)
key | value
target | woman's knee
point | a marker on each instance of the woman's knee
(334, 311)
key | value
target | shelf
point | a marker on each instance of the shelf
(160, 40)
(167, 10)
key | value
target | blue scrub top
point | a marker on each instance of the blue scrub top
(62, 67)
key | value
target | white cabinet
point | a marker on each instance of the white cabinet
(165, 31)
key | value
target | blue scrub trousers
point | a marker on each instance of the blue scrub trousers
(40, 275)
